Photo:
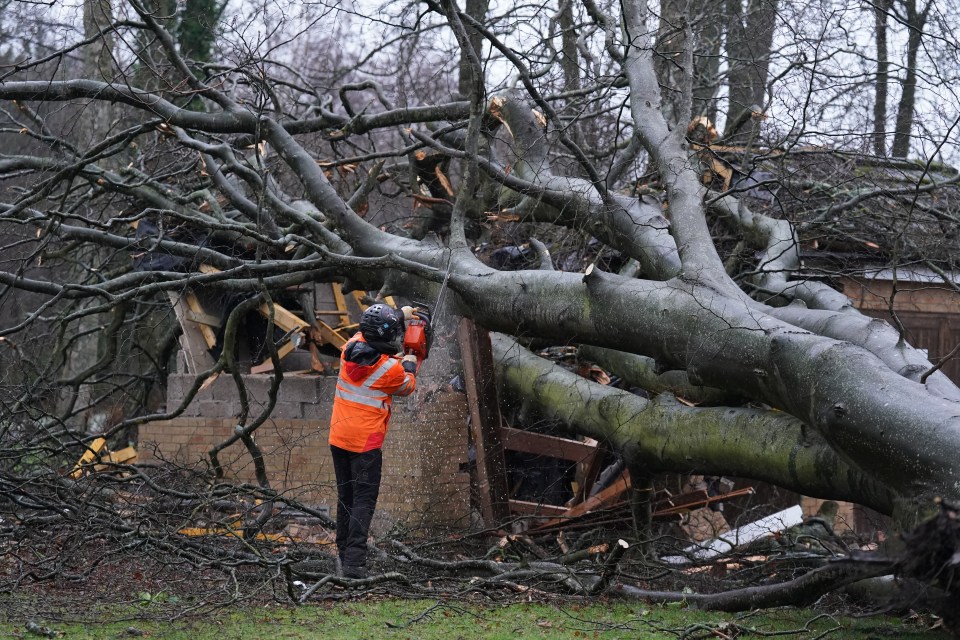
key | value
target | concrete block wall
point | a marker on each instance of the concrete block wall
(425, 485)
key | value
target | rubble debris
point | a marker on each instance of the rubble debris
(293, 338)
(613, 500)
(201, 319)
(98, 457)
(703, 524)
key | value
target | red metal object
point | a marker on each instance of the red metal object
(415, 338)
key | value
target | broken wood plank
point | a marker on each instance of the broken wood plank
(340, 302)
(93, 450)
(614, 491)
(267, 365)
(485, 427)
(283, 318)
(592, 467)
(204, 318)
(195, 308)
(544, 445)
(683, 499)
(703, 502)
(601, 500)
(287, 321)
(193, 345)
(325, 334)
(123, 455)
(127, 455)
(526, 508)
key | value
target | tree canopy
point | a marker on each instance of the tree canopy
(670, 171)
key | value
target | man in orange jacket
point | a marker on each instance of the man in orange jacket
(371, 373)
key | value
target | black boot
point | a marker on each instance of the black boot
(355, 572)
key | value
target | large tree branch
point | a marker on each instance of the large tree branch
(667, 150)
(643, 372)
(233, 121)
(888, 426)
(779, 259)
(634, 227)
(801, 591)
(239, 121)
(665, 435)
(877, 337)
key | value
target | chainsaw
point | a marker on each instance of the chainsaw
(418, 335)
(419, 332)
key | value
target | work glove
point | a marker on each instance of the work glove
(409, 363)
(423, 314)
(408, 312)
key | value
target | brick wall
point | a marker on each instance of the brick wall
(423, 486)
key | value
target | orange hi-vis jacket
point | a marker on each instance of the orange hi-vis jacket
(361, 405)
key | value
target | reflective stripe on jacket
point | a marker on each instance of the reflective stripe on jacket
(361, 405)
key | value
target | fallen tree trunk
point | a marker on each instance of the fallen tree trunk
(885, 425)
(663, 434)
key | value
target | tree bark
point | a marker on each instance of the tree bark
(749, 41)
(657, 435)
(915, 23)
(476, 9)
(890, 427)
(881, 83)
(801, 591)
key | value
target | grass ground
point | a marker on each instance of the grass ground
(454, 620)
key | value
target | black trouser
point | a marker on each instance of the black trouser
(358, 485)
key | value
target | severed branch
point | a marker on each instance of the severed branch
(805, 590)
(641, 371)
(631, 225)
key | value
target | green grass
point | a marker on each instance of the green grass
(453, 620)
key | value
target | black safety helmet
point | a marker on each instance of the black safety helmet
(381, 325)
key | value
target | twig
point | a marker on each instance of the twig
(431, 609)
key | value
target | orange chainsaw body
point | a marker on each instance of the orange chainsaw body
(415, 338)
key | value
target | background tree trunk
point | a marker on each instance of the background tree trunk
(882, 80)
(476, 9)
(749, 40)
(915, 23)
